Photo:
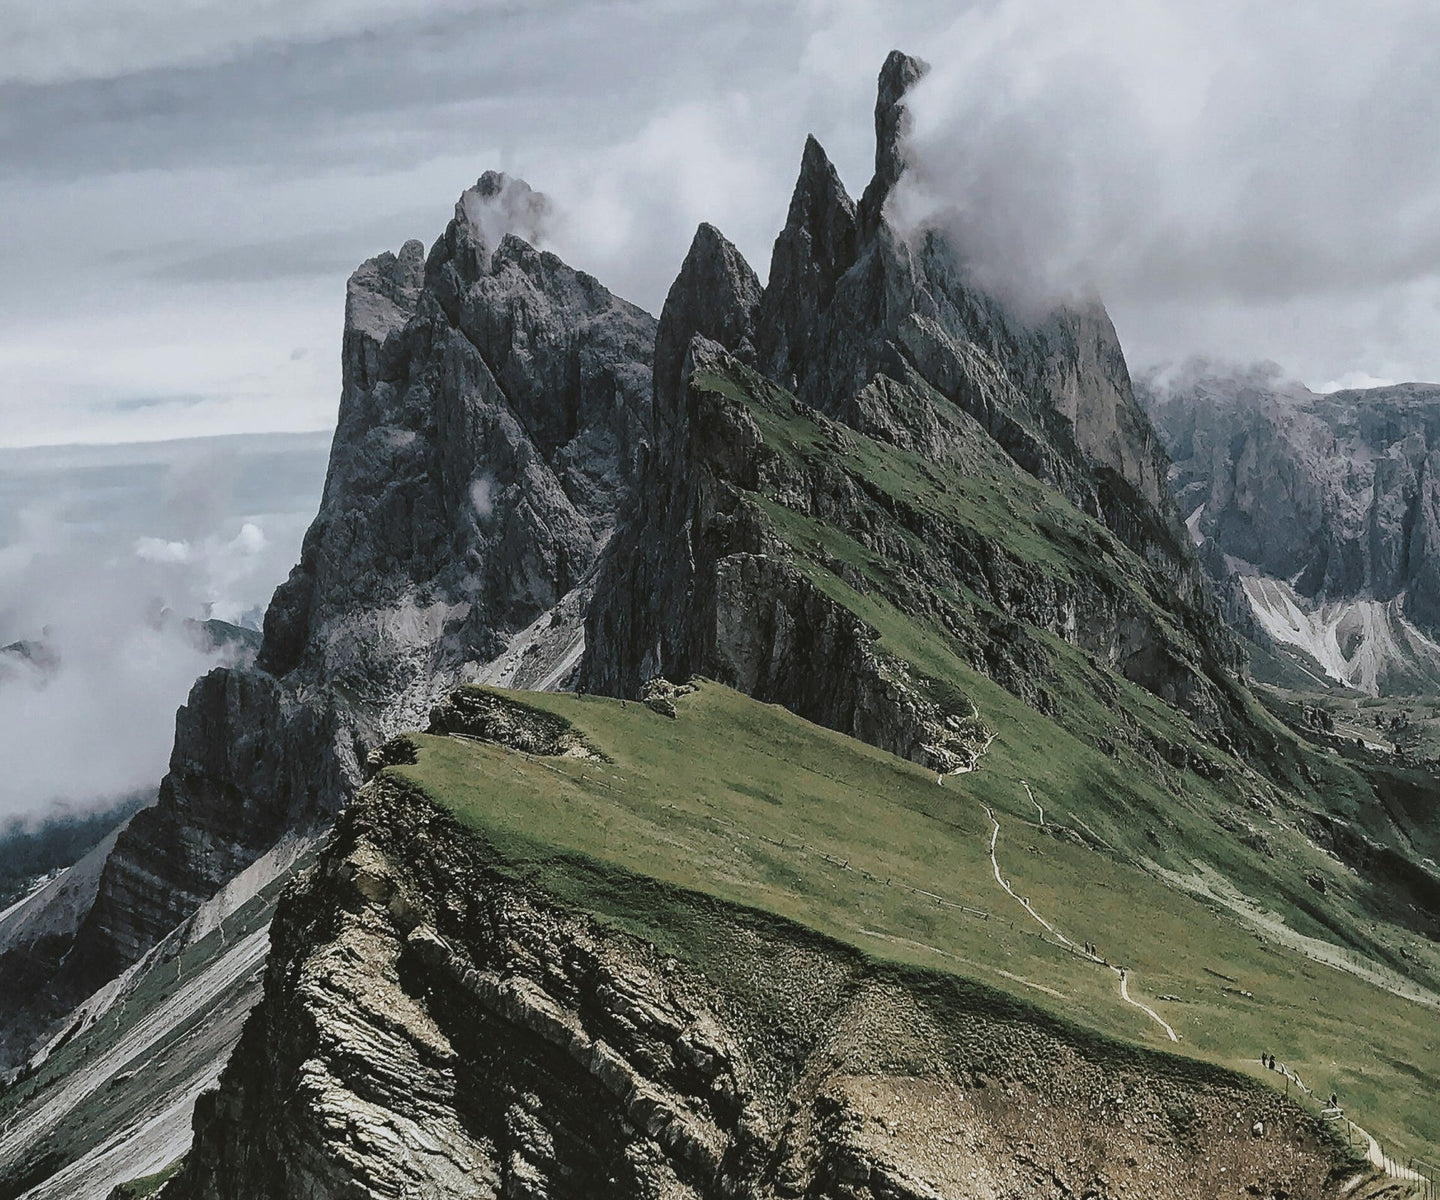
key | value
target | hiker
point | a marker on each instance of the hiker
(1334, 1100)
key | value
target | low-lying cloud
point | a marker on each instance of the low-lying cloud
(1238, 153)
(498, 206)
(106, 555)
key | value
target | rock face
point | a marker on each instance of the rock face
(489, 429)
(430, 1028)
(852, 298)
(886, 335)
(1324, 507)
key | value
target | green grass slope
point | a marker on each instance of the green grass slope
(899, 537)
(746, 803)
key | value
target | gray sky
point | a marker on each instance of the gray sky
(184, 188)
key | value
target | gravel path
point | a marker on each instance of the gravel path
(1072, 946)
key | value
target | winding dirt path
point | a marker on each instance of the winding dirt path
(1073, 947)
(1035, 802)
(1145, 1008)
(1374, 1152)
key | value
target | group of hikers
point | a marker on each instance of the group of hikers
(1268, 1062)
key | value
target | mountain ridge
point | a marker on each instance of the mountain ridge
(1320, 508)
(866, 492)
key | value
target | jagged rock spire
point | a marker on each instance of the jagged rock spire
(892, 122)
(816, 247)
(818, 240)
(715, 295)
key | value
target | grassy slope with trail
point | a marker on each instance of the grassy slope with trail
(1097, 753)
(745, 803)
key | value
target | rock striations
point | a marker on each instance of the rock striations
(432, 1027)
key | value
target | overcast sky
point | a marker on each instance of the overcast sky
(185, 187)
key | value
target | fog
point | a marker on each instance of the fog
(1221, 174)
(104, 552)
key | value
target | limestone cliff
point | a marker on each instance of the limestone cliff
(1324, 508)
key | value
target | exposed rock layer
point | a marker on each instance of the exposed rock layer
(430, 1028)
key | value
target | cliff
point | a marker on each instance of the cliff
(878, 343)
(1324, 508)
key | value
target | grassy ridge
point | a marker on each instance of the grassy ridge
(749, 804)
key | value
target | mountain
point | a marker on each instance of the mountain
(909, 823)
(888, 338)
(489, 406)
(1322, 512)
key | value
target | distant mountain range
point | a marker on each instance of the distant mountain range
(1322, 512)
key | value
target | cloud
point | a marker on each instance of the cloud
(98, 39)
(1225, 156)
(1355, 379)
(480, 497)
(78, 751)
(103, 551)
(499, 206)
(158, 550)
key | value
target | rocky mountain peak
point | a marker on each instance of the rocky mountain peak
(818, 242)
(492, 407)
(716, 296)
(816, 247)
(900, 73)
(497, 207)
(380, 298)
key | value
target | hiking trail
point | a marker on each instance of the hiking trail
(1074, 947)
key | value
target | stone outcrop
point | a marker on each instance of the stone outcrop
(432, 1028)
